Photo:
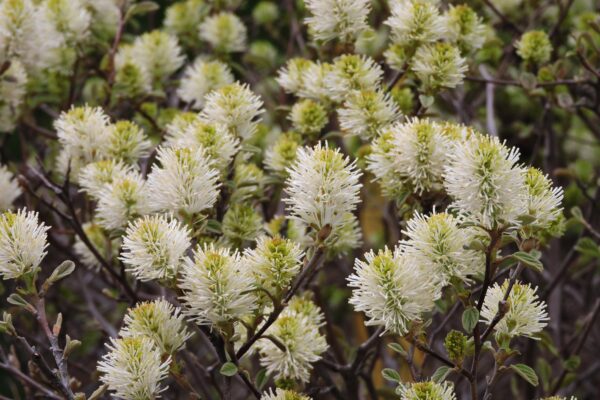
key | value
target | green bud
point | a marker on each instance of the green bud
(265, 13)
(455, 344)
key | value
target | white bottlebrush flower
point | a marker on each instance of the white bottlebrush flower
(158, 53)
(428, 390)
(308, 117)
(274, 263)
(219, 144)
(225, 32)
(420, 154)
(182, 18)
(283, 394)
(314, 82)
(96, 175)
(154, 247)
(415, 22)
(185, 182)
(525, 314)
(12, 92)
(391, 291)
(83, 128)
(485, 182)
(543, 200)
(133, 368)
(365, 112)
(9, 189)
(439, 66)
(202, 77)
(70, 18)
(337, 19)
(322, 187)
(236, 107)
(282, 153)
(436, 244)
(216, 287)
(176, 128)
(83, 133)
(127, 142)
(291, 76)
(465, 28)
(100, 239)
(105, 15)
(22, 243)
(27, 34)
(160, 322)
(352, 72)
(299, 333)
(124, 199)
(381, 163)
(131, 77)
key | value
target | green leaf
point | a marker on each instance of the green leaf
(528, 81)
(16, 300)
(143, 7)
(228, 369)
(98, 392)
(528, 260)
(576, 213)
(572, 363)
(261, 378)
(398, 348)
(65, 269)
(588, 247)
(544, 370)
(526, 372)
(470, 318)
(391, 375)
(426, 101)
(441, 373)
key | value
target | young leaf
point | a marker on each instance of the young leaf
(470, 318)
(261, 378)
(391, 375)
(440, 374)
(528, 260)
(526, 372)
(398, 349)
(228, 369)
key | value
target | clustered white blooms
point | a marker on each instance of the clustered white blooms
(216, 286)
(297, 329)
(525, 315)
(219, 144)
(436, 244)
(185, 181)
(323, 188)
(139, 359)
(410, 156)
(154, 247)
(234, 106)
(274, 263)
(391, 290)
(427, 390)
(147, 212)
(159, 321)
(124, 199)
(133, 368)
(22, 243)
(9, 189)
(485, 181)
(337, 19)
(366, 112)
(202, 77)
(225, 32)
